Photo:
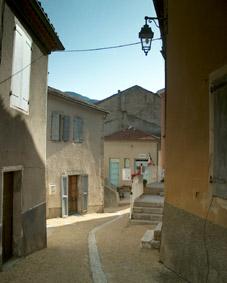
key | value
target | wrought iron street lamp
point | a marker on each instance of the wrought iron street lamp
(146, 34)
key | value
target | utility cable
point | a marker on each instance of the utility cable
(71, 51)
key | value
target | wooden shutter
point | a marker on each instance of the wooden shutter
(64, 195)
(77, 129)
(220, 139)
(80, 129)
(55, 126)
(20, 83)
(66, 128)
(27, 53)
(84, 181)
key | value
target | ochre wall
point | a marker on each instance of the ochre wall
(196, 46)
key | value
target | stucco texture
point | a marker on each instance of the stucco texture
(70, 158)
(22, 139)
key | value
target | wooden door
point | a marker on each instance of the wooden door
(7, 231)
(73, 194)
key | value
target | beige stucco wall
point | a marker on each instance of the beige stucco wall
(22, 139)
(196, 46)
(69, 158)
(127, 149)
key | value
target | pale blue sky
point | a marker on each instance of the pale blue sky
(83, 24)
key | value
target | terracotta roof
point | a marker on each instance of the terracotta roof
(61, 94)
(31, 14)
(131, 134)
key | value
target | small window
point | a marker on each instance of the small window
(126, 163)
(78, 129)
(21, 69)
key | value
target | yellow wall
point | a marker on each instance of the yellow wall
(196, 46)
(127, 149)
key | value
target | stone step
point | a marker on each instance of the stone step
(148, 241)
(158, 232)
(143, 222)
(154, 210)
(148, 204)
(147, 216)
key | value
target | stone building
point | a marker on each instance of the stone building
(194, 234)
(136, 107)
(74, 155)
(27, 37)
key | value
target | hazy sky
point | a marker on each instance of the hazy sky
(83, 24)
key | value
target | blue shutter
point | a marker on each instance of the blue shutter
(55, 126)
(80, 129)
(66, 128)
(77, 129)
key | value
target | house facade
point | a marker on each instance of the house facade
(27, 37)
(74, 156)
(194, 235)
(136, 107)
(126, 153)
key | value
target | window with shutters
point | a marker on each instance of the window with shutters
(21, 68)
(78, 129)
(55, 126)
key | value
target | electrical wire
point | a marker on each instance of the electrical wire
(103, 48)
(71, 51)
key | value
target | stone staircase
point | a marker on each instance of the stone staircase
(152, 238)
(148, 209)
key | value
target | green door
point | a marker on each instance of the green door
(114, 172)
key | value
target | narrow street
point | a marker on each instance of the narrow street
(67, 257)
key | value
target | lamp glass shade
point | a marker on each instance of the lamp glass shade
(146, 35)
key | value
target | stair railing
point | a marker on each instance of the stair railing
(137, 191)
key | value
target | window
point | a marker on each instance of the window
(126, 163)
(78, 129)
(20, 83)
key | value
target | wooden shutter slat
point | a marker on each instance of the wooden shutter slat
(66, 128)
(55, 126)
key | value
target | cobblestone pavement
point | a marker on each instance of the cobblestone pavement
(67, 260)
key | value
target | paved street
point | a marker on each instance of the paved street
(67, 257)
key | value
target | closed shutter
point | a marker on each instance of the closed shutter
(27, 48)
(77, 129)
(84, 180)
(80, 129)
(55, 126)
(66, 128)
(17, 66)
(220, 139)
(21, 69)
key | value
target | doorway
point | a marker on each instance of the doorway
(73, 194)
(7, 221)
